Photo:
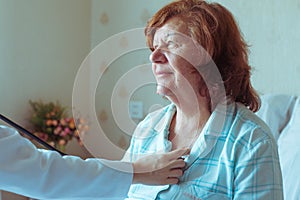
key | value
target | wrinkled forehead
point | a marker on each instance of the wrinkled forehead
(168, 35)
(172, 29)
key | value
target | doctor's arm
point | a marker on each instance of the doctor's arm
(44, 174)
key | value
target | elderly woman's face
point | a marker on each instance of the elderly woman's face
(174, 59)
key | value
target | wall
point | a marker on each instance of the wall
(42, 44)
(108, 19)
(271, 28)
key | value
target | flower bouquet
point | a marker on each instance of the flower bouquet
(51, 124)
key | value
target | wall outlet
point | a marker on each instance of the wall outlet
(136, 109)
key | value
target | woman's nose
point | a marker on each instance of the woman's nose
(157, 56)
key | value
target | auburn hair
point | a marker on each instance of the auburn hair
(215, 29)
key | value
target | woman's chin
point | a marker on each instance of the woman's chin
(163, 91)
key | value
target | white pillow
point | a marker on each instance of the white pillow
(289, 154)
(276, 111)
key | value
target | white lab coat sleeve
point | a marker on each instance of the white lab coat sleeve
(44, 174)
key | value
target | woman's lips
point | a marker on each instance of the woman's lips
(161, 73)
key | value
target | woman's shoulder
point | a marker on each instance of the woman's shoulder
(251, 128)
(249, 118)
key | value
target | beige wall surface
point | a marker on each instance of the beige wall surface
(42, 44)
(272, 30)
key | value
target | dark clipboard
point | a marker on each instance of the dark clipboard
(31, 135)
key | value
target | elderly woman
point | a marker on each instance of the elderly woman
(200, 62)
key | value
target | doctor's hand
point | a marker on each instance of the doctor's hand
(160, 169)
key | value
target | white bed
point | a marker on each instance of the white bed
(282, 114)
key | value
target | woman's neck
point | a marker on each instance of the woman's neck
(192, 121)
(187, 124)
(192, 111)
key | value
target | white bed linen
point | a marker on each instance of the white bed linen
(282, 114)
(276, 111)
(289, 154)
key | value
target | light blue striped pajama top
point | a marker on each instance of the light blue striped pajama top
(234, 157)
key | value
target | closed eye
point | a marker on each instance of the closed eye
(171, 44)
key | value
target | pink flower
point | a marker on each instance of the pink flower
(67, 130)
(57, 130)
(63, 122)
(63, 134)
(49, 122)
(54, 122)
(62, 142)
